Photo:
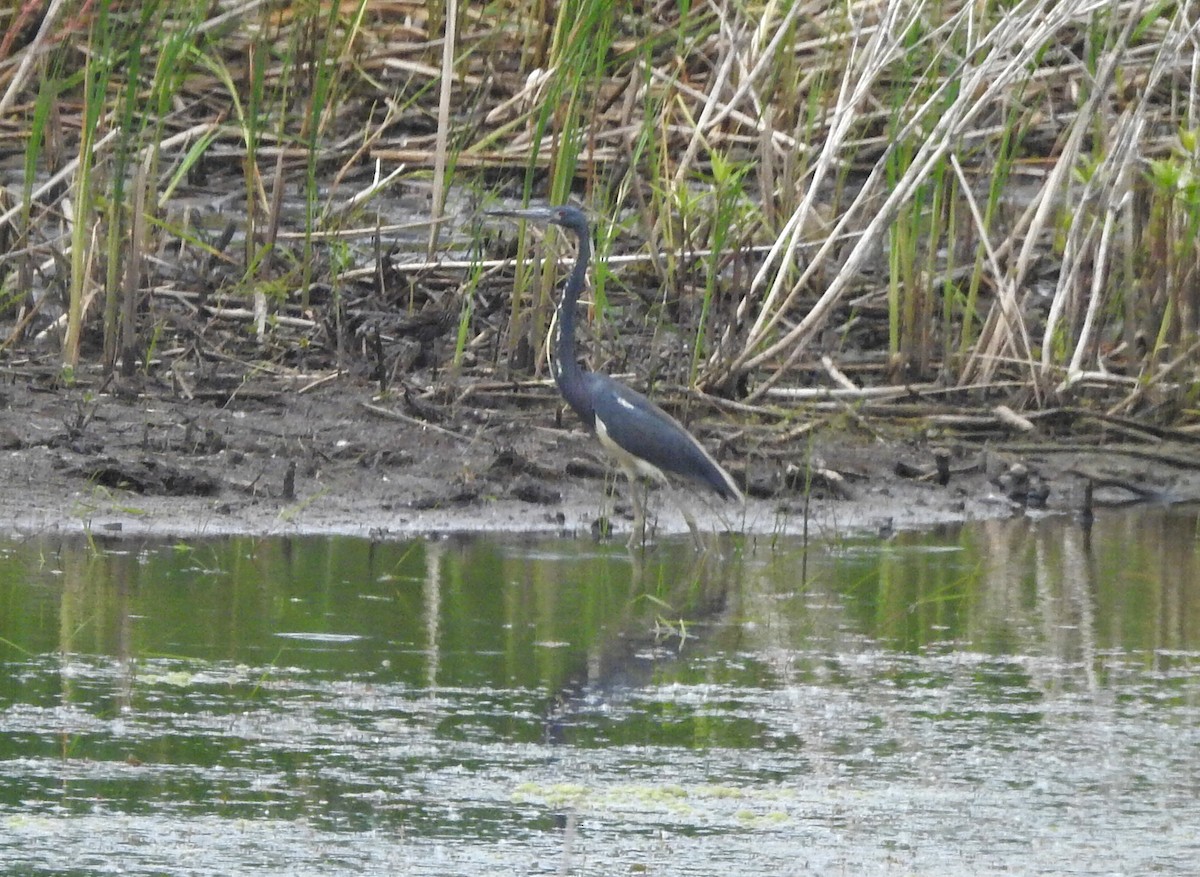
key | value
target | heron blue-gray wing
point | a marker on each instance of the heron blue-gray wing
(646, 432)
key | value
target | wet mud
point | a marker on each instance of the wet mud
(304, 454)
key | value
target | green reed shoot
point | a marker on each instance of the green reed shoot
(731, 212)
(579, 45)
(852, 110)
(96, 75)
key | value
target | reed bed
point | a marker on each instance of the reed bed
(996, 202)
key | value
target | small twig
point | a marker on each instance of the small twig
(319, 382)
(1178, 461)
(1187, 356)
(253, 316)
(839, 377)
(413, 421)
(801, 394)
(1010, 418)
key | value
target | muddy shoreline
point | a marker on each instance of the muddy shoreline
(296, 456)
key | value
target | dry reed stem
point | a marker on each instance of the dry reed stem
(813, 96)
(1010, 47)
(1110, 189)
(29, 54)
(1016, 334)
(855, 85)
(449, 43)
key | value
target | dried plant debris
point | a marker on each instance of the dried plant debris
(933, 220)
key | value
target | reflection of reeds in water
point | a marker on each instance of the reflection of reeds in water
(1050, 589)
(1010, 188)
(1037, 591)
(1068, 604)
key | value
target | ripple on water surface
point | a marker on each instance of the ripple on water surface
(1008, 697)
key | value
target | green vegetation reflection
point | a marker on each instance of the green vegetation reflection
(465, 688)
(474, 612)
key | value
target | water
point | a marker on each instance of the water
(1003, 697)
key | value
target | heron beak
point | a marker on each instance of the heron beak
(538, 214)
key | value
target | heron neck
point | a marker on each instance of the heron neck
(567, 373)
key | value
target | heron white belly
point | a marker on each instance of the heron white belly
(627, 461)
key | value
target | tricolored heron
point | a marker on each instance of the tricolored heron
(644, 439)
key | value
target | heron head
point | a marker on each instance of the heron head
(560, 214)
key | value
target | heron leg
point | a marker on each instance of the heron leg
(697, 538)
(691, 522)
(638, 536)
